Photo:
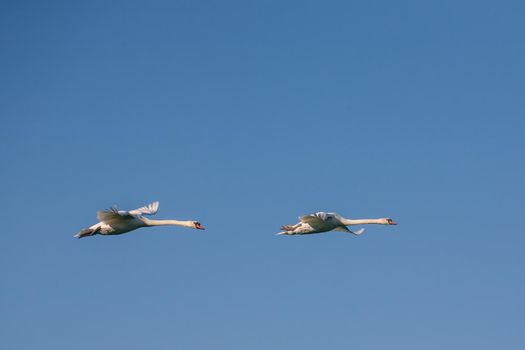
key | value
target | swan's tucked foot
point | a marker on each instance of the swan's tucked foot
(287, 230)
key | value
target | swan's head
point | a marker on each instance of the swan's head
(198, 225)
(388, 221)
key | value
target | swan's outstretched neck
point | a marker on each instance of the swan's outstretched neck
(149, 222)
(349, 222)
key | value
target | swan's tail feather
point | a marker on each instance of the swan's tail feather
(86, 232)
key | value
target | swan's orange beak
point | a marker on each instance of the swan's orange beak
(391, 222)
(200, 227)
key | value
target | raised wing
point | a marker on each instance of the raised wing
(112, 216)
(319, 217)
(115, 216)
(314, 219)
(321, 221)
(149, 209)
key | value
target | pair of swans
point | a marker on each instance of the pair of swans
(116, 222)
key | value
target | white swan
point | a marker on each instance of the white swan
(116, 222)
(323, 222)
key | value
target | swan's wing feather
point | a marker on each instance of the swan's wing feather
(149, 209)
(342, 229)
(346, 229)
(358, 232)
(312, 219)
(319, 217)
(113, 215)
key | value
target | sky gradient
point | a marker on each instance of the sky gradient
(244, 115)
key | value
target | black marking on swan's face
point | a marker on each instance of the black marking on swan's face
(390, 221)
(198, 225)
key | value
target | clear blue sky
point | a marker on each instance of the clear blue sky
(244, 115)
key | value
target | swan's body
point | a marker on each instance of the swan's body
(116, 222)
(323, 222)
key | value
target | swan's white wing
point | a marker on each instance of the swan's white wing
(113, 216)
(346, 229)
(358, 232)
(312, 219)
(149, 209)
(319, 217)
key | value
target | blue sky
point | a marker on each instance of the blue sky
(245, 115)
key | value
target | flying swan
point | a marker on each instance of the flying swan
(323, 222)
(116, 222)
